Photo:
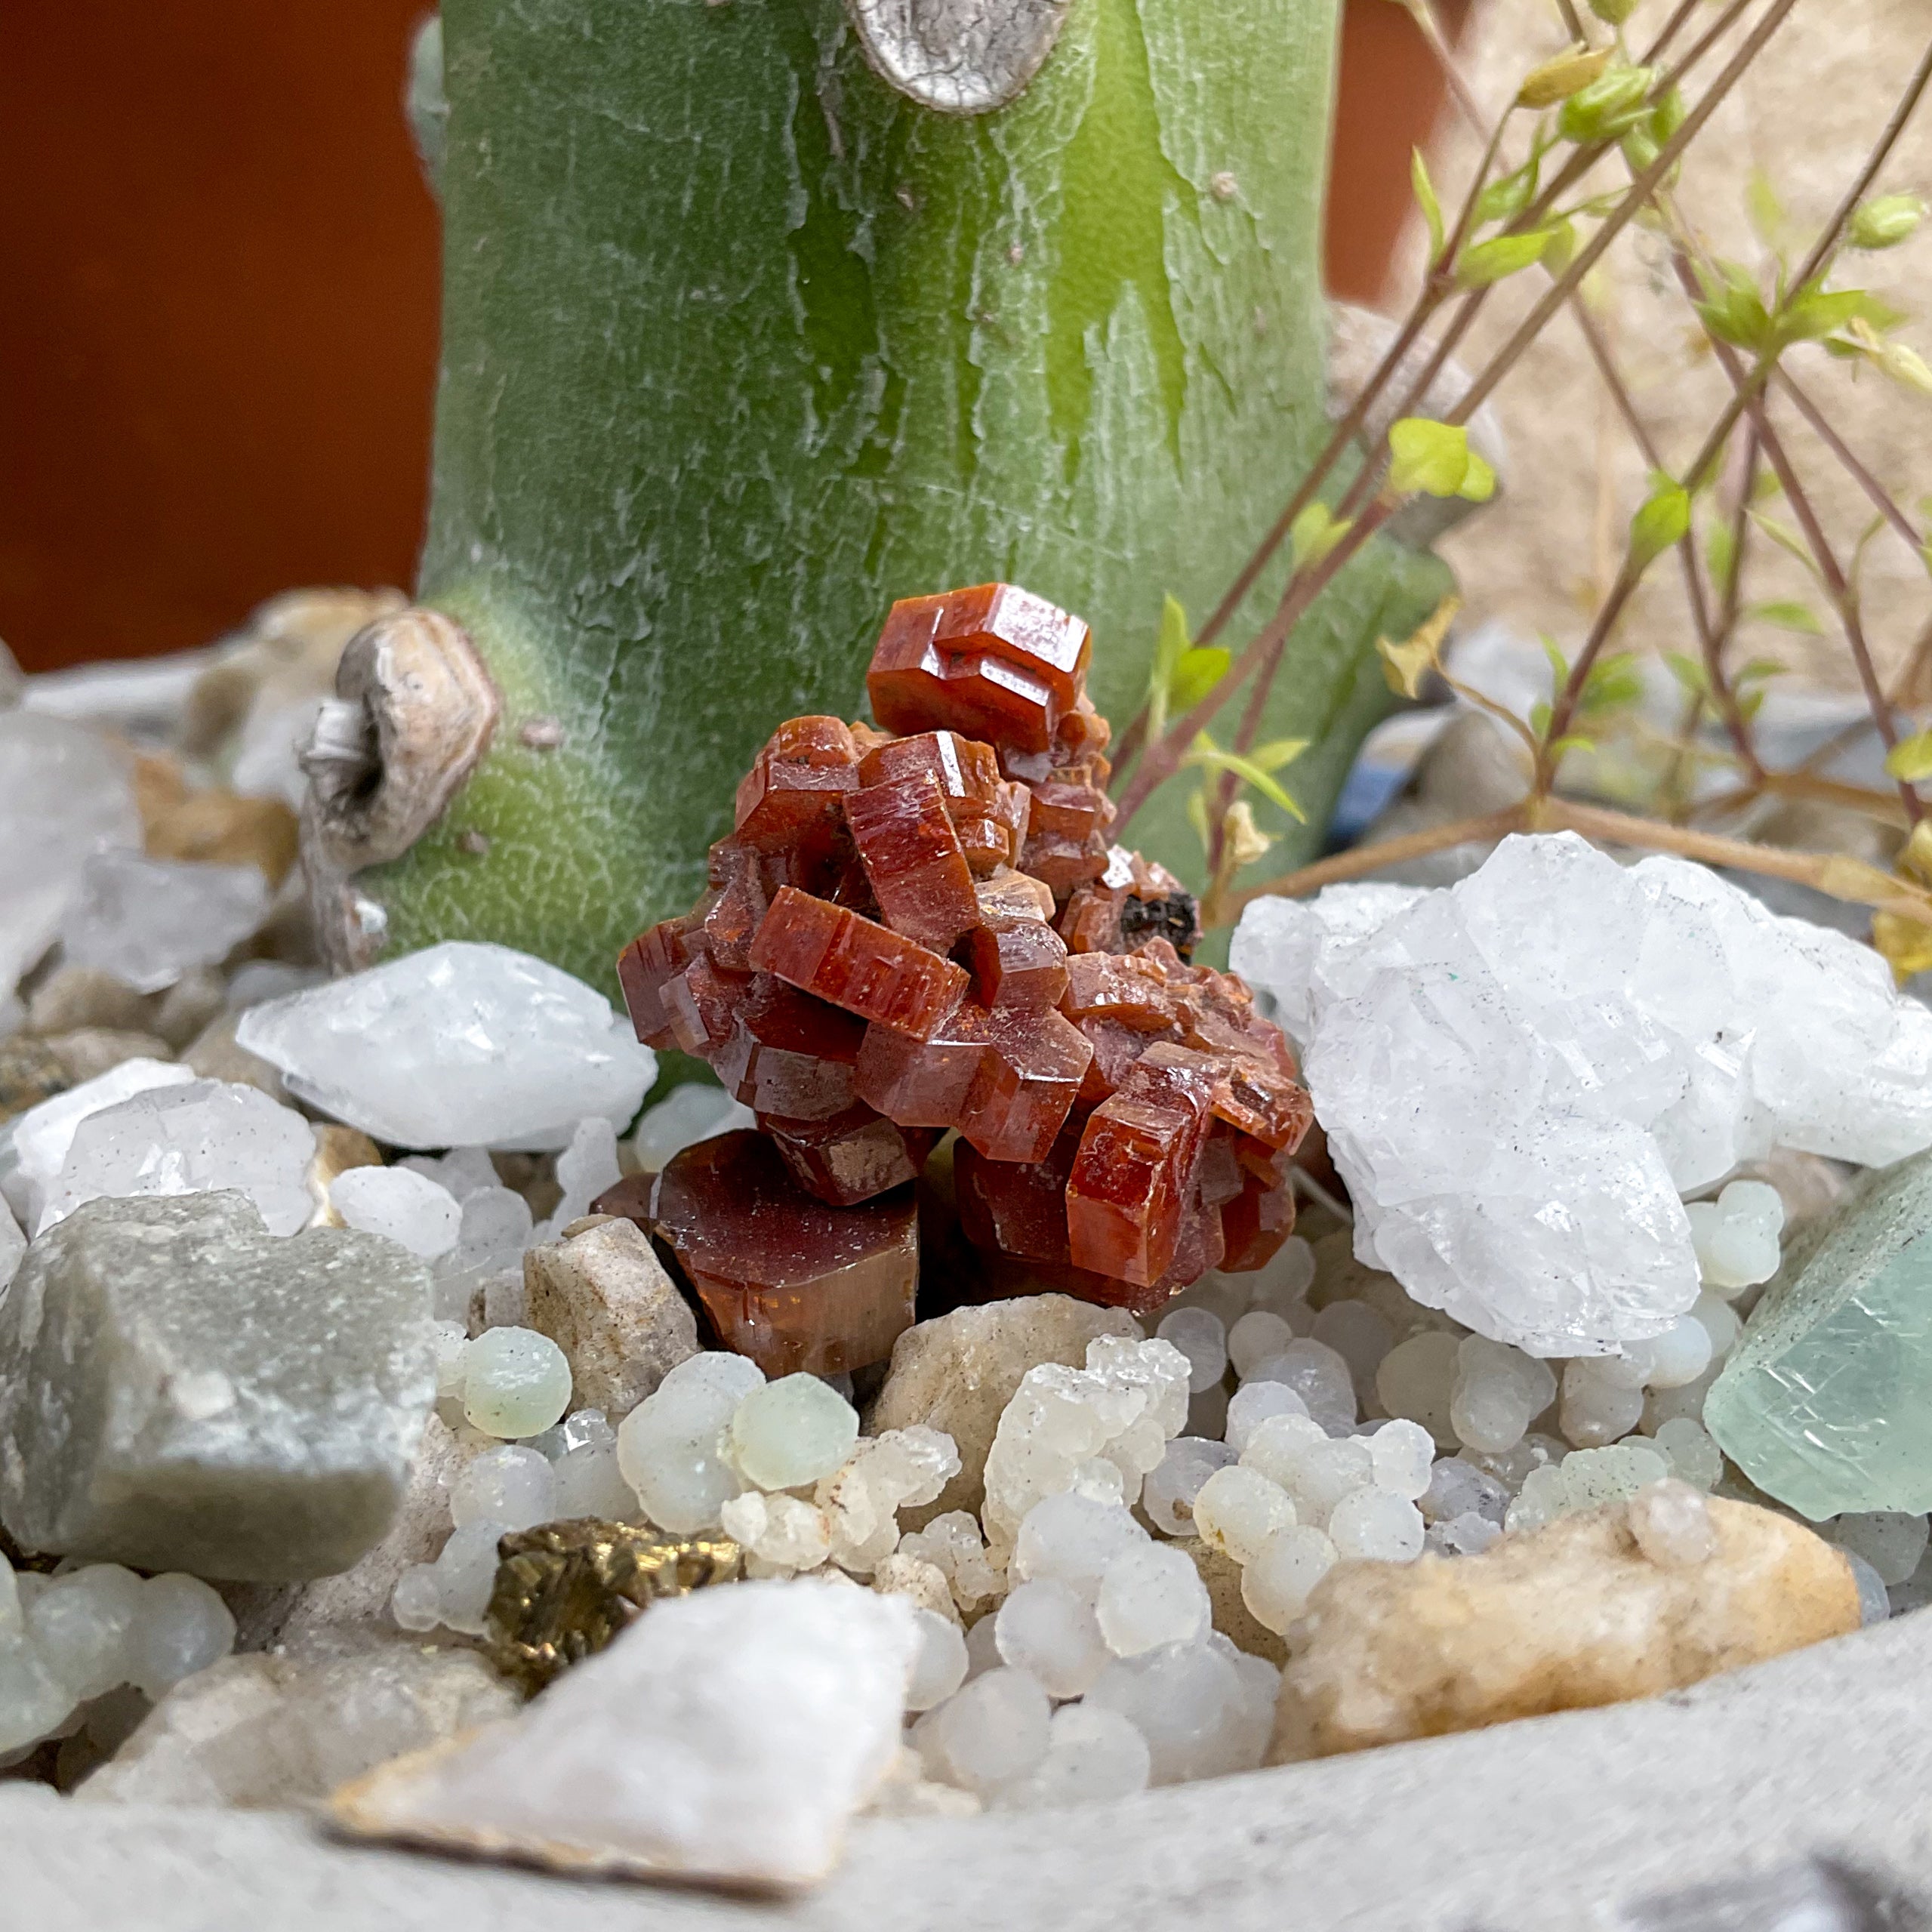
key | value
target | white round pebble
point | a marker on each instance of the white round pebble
(789, 1432)
(1275, 1441)
(993, 1729)
(513, 1486)
(1198, 1706)
(1736, 1236)
(416, 1603)
(1238, 1509)
(1402, 1458)
(1890, 1541)
(1680, 1354)
(1319, 1375)
(1416, 1378)
(1672, 1523)
(1457, 1488)
(1254, 1338)
(939, 1667)
(1694, 1457)
(1168, 1494)
(80, 1623)
(1275, 1586)
(982, 1642)
(183, 1626)
(466, 1573)
(1049, 1630)
(1092, 1755)
(589, 1482)
(1719, 1320)
(1373, 1524)
(1150, 1594)
(667, 1446)
(1600, 1404)
(1072, 1539)
(1201, 1337)
(1469, 1534)
(516, 1382)
(1253, 1403)
(1321, 1473)
(401, 1205)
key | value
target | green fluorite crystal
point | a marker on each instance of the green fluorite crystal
(1826, 1402)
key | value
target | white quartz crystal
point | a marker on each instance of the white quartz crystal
(147, 921)
(406, 1207)
(33, 1148)
(65, 792)
(1519, 1075)
(730, 1735)
(584, 1169)
(462, 1043)
(188, 1138)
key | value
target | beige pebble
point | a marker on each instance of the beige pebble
(602, 1296)
(338, 1149)
(899, 1575)
(958, 1372)
(214, 1056)
(91, 1050)
(77, 996)
(1571, 1616)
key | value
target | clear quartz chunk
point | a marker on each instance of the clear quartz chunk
(147, 921)
(460, 1044)
(1521, 1075)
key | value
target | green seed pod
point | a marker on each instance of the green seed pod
(1608, 107)
(1886, 222)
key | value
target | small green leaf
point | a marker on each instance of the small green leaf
(1884, 222)
(1483, 263)
(1504, 199)
(1719, 552)
(1614, 13)
(1814, 312)
(1786, 538)
(1559, 663)
(1314, 533)
(1561, 249)
(1478, 483)
(1209, 756)
(1608, 107)
(1663, 520)
(1199, 671)
(1171, 644)
(1197, 817)
(1426, 199)
(1764, 209)
(1757, 669)
(1911, 758)
(1733, 309)
(1278, 752)
(1689, 673)
(1572, 742)
(1540, 715)
(1557, 80)
(1428, 456)
(1788, 614)
(1613, 682)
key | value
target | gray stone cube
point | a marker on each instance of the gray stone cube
(181, 1389)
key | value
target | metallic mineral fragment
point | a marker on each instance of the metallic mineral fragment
(564, 1590)
(910, 935)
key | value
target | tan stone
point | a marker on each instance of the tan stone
(225, 828)
(30, 1072)
(90, 1050)
(77, 996)
(215, 1056)
(190, 1007)
(1231, 1616)
(338, 1149)
(958, 1372)
(602, 1296)
(1571, 1616)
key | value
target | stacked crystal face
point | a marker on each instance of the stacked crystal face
(922, 927)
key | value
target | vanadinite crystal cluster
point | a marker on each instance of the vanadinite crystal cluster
(923, 927)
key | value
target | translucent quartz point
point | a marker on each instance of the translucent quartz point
(1826, 1401)
(180, 1389)
(793, 1284)
(147, 921)
(1521, 1075)
(462, 1044)
(852, 963)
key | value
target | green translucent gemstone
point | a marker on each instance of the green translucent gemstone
(1826, 1402)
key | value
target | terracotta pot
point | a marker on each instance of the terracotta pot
(219, 325)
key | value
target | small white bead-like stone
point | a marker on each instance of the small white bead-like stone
(993, 1729)
(1373, 1524)
(788, 1433)
(1253, 1403)
(940, 1667)
(1050, 1631)
(516, 1382)
(1150, 1594)
(1672, 1525)
(513, 1485)
(1201, 1337)
(1275, 1586)
(182, 1627)
(1238, 1509)
(1254, 1338)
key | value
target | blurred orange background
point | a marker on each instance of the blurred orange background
(218, 308)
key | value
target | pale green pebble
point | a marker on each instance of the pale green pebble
(516, 1382)
(1591, 1477)
(33, 1701)
(792, 1431)
(1694, 1457)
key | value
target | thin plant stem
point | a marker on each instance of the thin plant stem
(1820, 426)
